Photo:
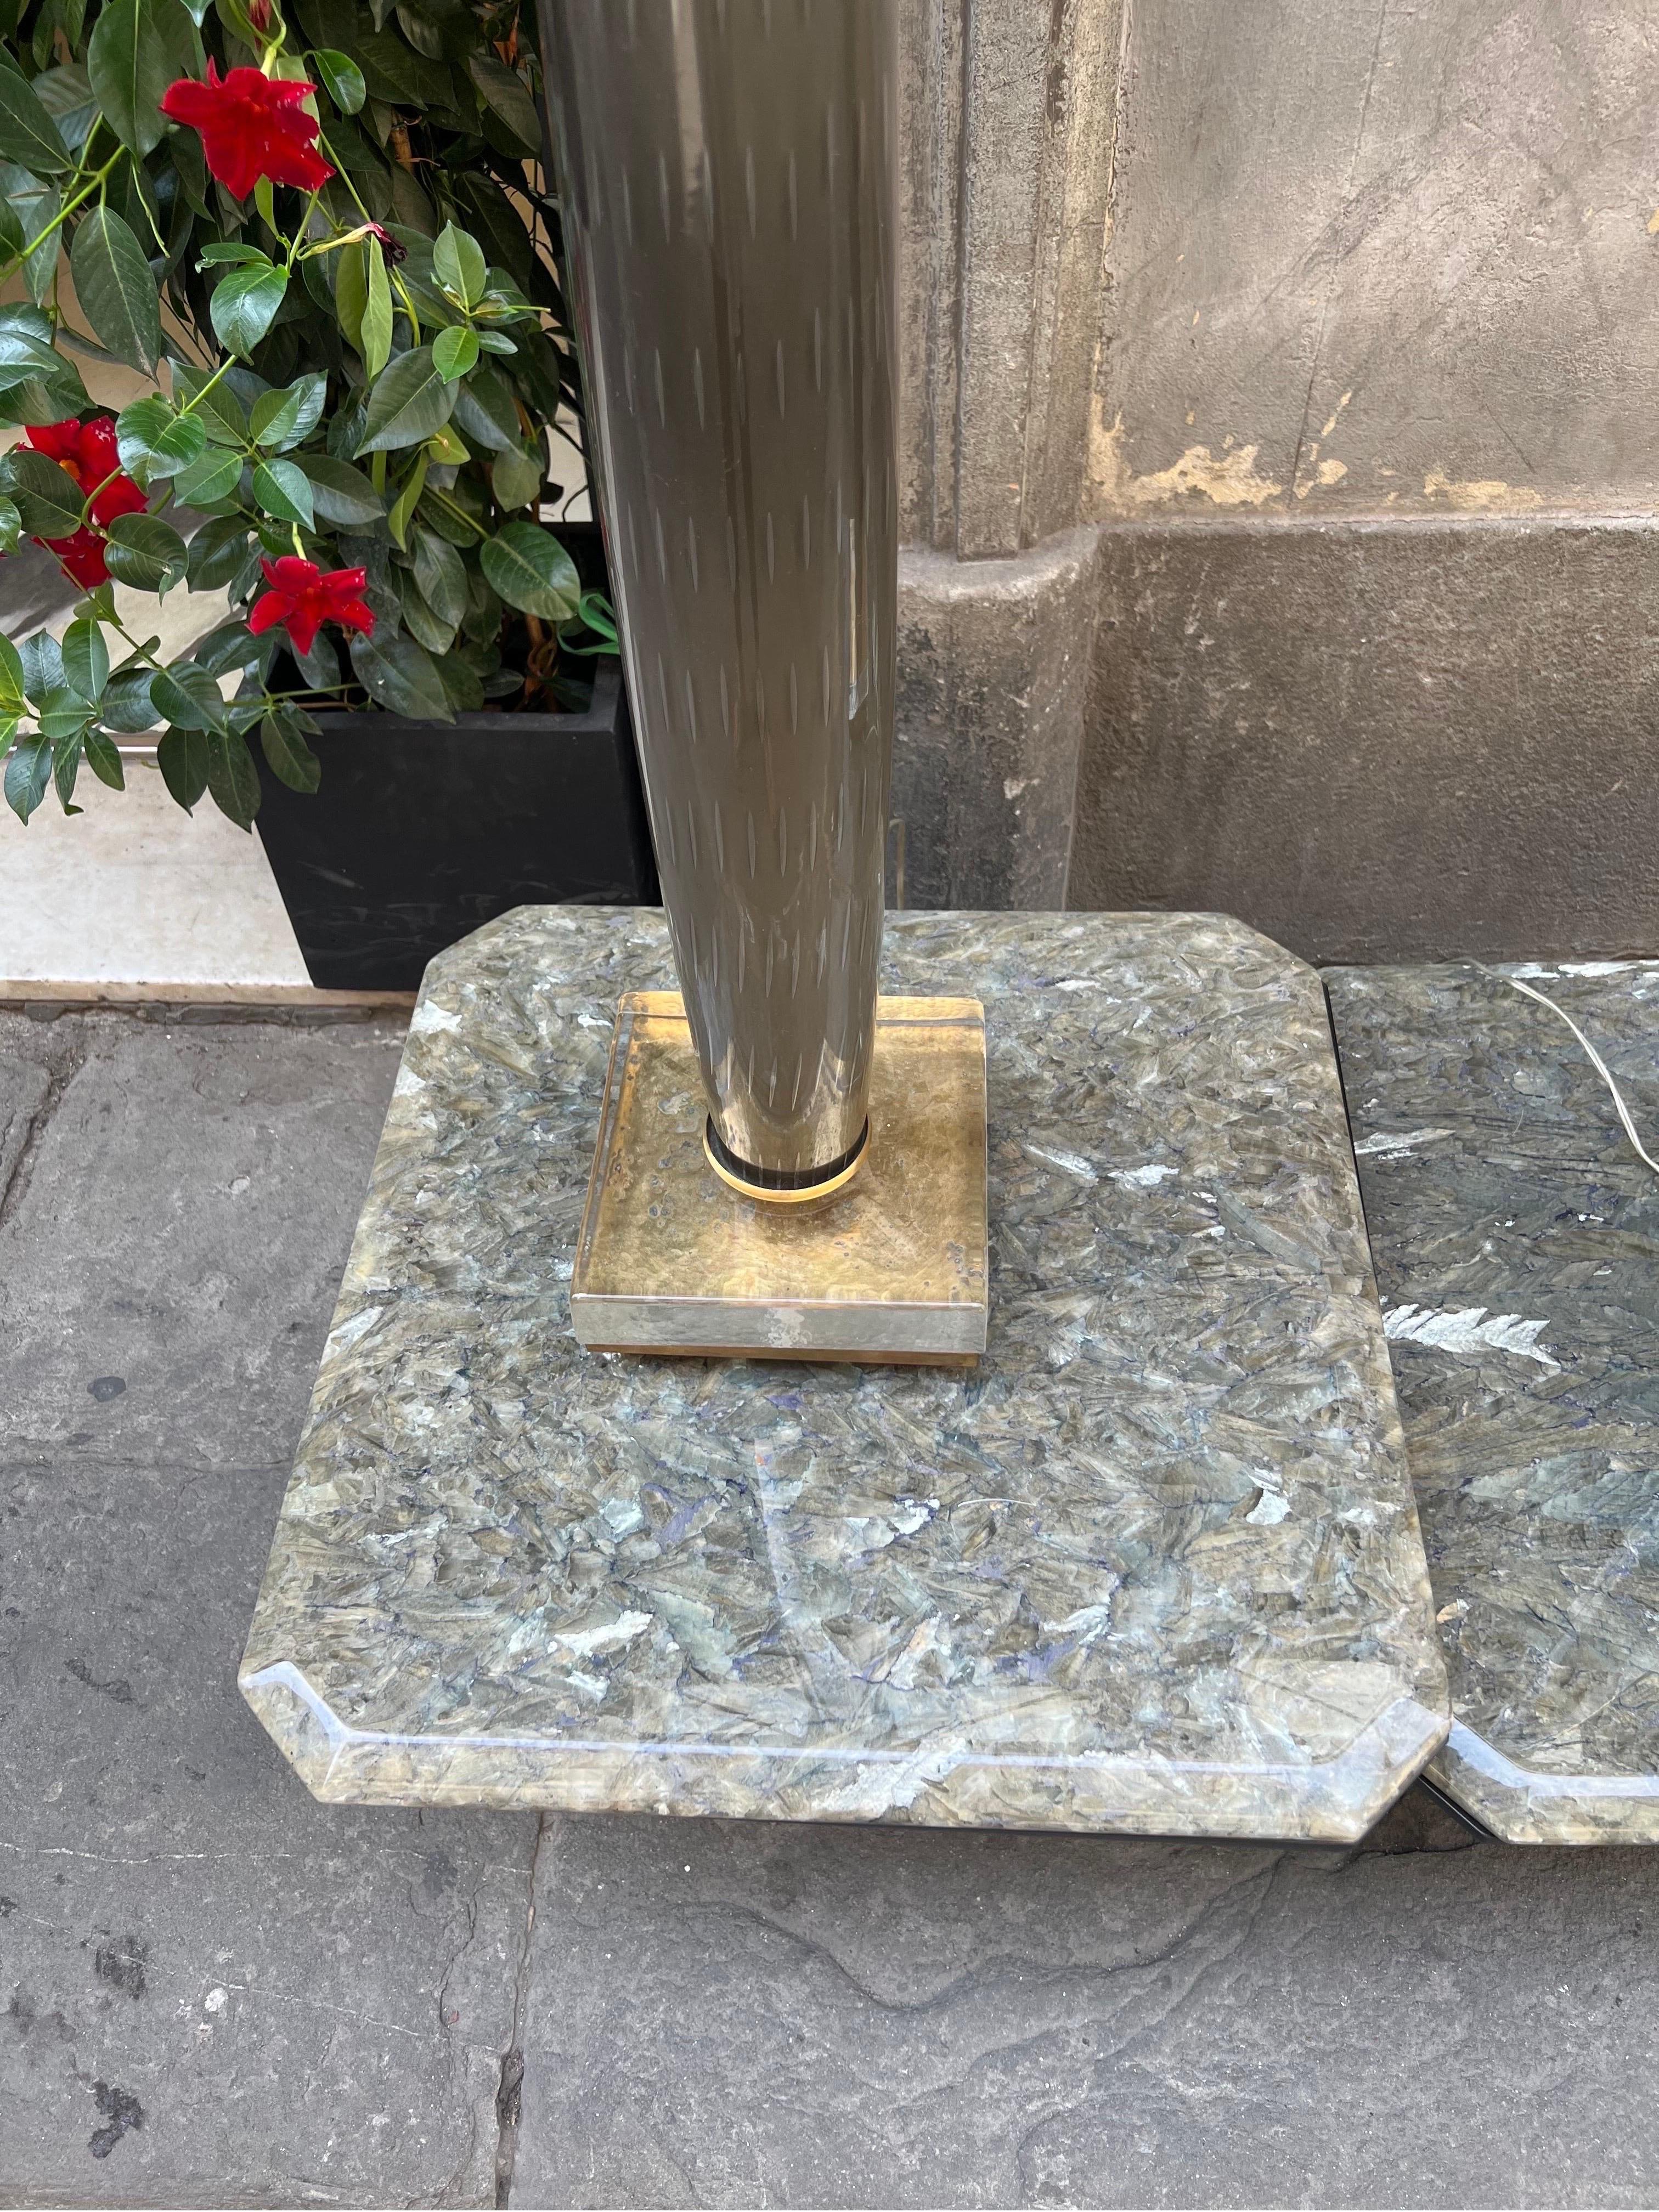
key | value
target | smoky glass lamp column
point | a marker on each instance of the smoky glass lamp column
(728, 187)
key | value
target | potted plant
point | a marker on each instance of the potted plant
(324, 241)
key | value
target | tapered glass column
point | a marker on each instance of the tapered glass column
(727, 181)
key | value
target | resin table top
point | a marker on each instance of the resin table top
(1152, 1567)
(1516, 1237)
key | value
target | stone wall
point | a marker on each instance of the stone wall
(1313, 346)
(1009, 123)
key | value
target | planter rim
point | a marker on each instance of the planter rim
(600, 714)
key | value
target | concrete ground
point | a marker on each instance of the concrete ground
(217, 1991)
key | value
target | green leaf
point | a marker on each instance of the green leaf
(63, 713)
(154, 442)
(126, 703)
(291, 759)
(187, 697)
(399, 675)
(46, 497)
(597, 617)
(130, 70)
(228, 645)
(145, 552)
(184, 151)
(217, 410)
(86, 660)
(441, 575)
(37, 212)
(66, 94)
(531, 571)
(43, 664)
(459, 266)
(232, 777)
(113, 283)
(244, 305)
(446, 448)
(410, 401)
(351, 288)
(28, 766)
(26, 349)
(11, 525)
(137, 427)
(12, 697)
(218, 553)
(342, 81)
(320, 667)
(399, 77)
(374, 335)
(178, 30)
(236, 251)
(182, 757)
(207, 480)
(505, 92)
(183, 442)
(28, 135)
(516, 478)
(340, 494)
(37, 399)
(403, 506)
(103, 758)
(437, 635)
(485, 413)
(284, 490)
(280, 419)
(66, 766)
(454, 352)
(461, 683)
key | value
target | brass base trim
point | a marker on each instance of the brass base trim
(826, 1186)
(886, 1263)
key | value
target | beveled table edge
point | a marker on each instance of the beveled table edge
(1516, 1803)
(1148, 1798)
(1528, 1805)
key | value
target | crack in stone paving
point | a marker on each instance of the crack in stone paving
(1180, 2000)
(509, 2093)
(61, 1067)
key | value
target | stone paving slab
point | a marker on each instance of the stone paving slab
(745, 2014)
(1517, 1243)
(832, 2016)
(213, 1991)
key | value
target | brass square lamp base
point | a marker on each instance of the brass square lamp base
(890, 1269)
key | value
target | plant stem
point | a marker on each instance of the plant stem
(344, 175)
(460, 513)
(94, 183)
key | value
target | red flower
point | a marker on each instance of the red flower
(251, 126)
(304, 598)
(82, 556)
(88, 451)
(392, 250)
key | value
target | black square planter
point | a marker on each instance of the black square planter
(421, 831)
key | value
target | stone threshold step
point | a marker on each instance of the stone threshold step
(202, 1001)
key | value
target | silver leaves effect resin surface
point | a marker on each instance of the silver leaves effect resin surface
(1153, 1566)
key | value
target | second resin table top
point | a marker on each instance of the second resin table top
(1517, 1246)
(1153, 1567)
